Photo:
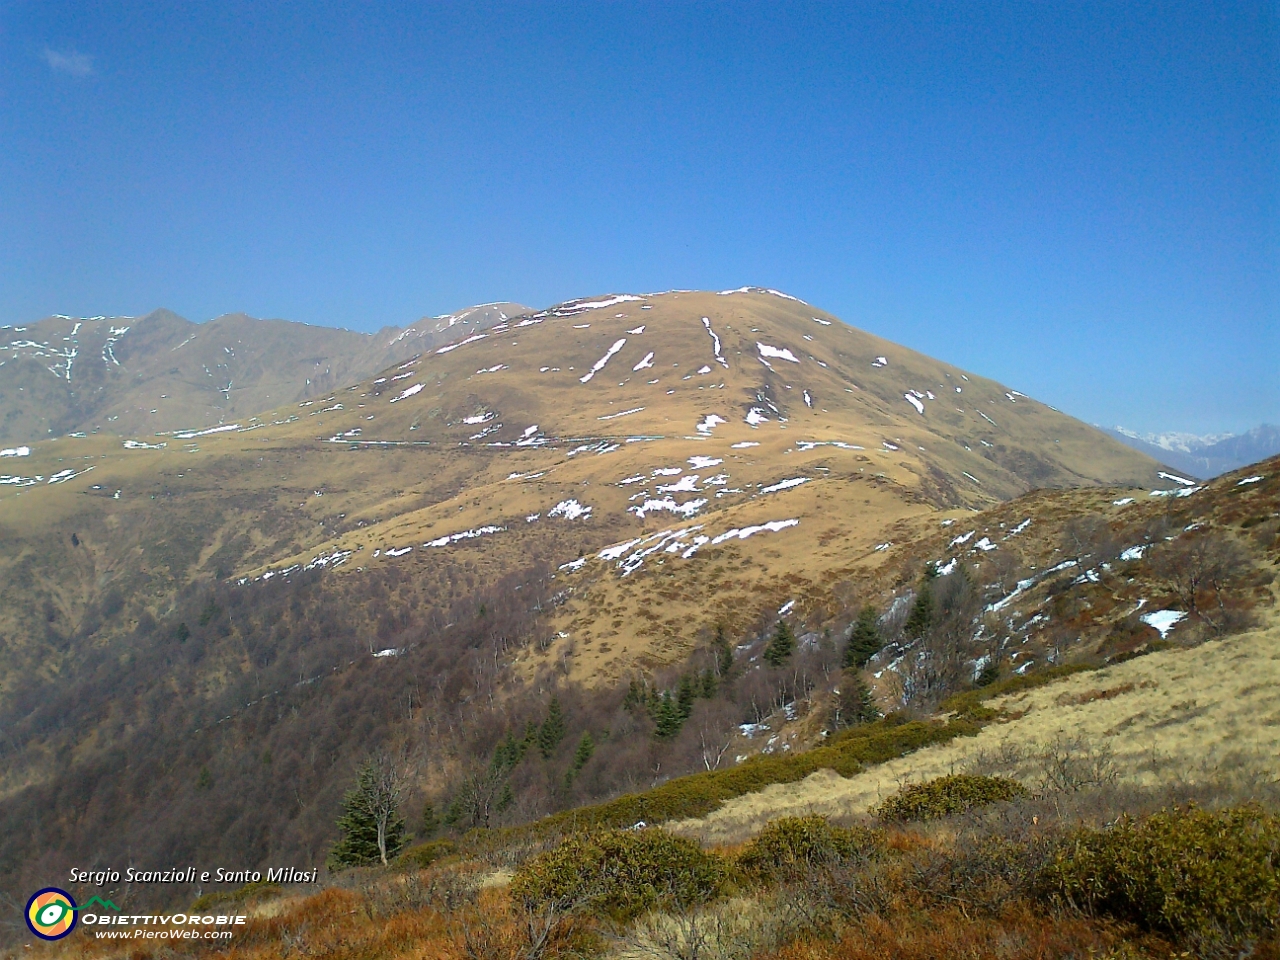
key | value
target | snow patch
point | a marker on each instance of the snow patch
(624, 413)
(785, 484)
(777, 353)
(409, 392)
(570, 510)
(599, 364)
(464, 535)
(1163, 620)
(709, 423)
(462, 343)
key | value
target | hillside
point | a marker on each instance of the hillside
(142, 375)
(560, 502)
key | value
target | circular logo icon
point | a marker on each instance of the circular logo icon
(51, 913)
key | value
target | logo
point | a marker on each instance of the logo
(51, 913)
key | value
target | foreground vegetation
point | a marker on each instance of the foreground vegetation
(1096, 873)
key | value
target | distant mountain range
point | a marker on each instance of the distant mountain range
(161, 372)
(1204, 456)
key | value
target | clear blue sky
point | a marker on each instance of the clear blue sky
(1078, 199)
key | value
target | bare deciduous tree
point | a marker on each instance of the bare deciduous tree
(1199, 570)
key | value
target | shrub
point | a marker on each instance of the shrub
(425, 854)
(947, 796)
(794, 845)
(621, 874)
(1201, 876)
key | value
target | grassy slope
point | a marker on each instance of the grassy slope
(1204, 714)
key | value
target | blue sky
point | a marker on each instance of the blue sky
(1077, 199)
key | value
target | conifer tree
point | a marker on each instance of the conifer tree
(508, 753)
(636, 695)
(666, 717)
(371, 825)
(552, 730)
(685, 696)
(922, 613)
(724, 652)
(707, 686)
(855, 703)
(430, 822)
(865, 641)
(781, 646)
(586, 747)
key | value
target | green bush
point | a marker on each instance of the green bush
(425, 854)
(1198, 875)
(948, 796)
(620, 874)
(791, 846)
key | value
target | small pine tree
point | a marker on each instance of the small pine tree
(855, 703)
(707, 685)
(508, 753)
(636, 697)
(865, 641)
(204, 781)
(922, 613)
(781, 646)
(586, 747)
(358, 844)
(552, 730)
(666, 717)
(685, 695)
(724, 652)
(182, 634)
(430, 822)
(453, 814)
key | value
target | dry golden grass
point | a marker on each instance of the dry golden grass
(1198, 715)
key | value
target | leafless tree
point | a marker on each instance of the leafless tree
(389, 773)
(1199, 570)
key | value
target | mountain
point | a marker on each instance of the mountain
(216, 625)
(1207, 456)
(143, 375)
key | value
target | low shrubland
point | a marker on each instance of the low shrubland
(1209, 878)
(1105, 871)
(947, 796)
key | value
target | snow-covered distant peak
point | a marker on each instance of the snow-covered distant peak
(1176, 441)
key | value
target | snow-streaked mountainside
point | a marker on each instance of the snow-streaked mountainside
(623, 438)
(1204, 456)
(160, 372)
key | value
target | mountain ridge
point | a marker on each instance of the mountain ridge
(63, 375)
(1204, 456)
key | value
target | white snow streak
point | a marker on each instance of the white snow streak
(599, 364)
